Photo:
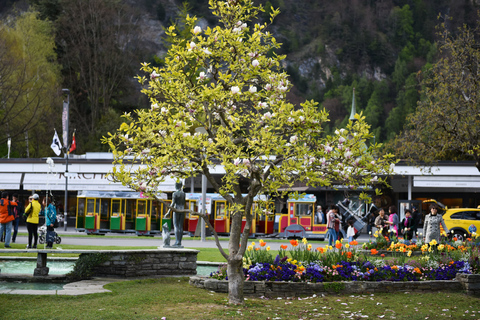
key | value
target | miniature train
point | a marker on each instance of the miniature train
(100, 212)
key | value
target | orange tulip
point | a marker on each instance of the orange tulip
(284, 247)
(382, 255)
(373, 251)
(320, 249)
(338, 245)
(354, 243)
(256, 249)
(294, 243)
(349, 255)
(263, 244)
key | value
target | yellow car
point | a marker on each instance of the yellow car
(461, 222)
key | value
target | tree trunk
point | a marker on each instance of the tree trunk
(235, 281)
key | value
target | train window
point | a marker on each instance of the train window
(141, 207)
(81, 207)
(130, 209)
(116, 207)
(156, 209)
(90, 206)
(104, 209)
(303, 209)
(221, 211)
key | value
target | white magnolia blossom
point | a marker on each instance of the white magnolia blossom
(263, 105)
(201, 76)
(237, 161)
(290, 120)
(252, 89)
(235, 89)
(163, 110)
(163, 133)
(375, 179)
(197, 30)
(282, 88)
(154, 75)
(155, 106)
(348, 154)
(206, 51)
(192, 45)
(255, 63)
(328, 149)
(293, 139)
(146, 151)
(301, 118)
(267, 115)
(246, 162)
(337, 132)
(341, 140)
(268, 87)
(186, 134)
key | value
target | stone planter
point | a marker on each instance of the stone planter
(470, 283)
(295, 289)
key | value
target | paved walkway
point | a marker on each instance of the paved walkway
(70, 289)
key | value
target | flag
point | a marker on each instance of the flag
(73, 145)
(56, 145)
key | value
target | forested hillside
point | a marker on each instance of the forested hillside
(381, 48)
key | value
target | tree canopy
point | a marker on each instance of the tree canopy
(29, 80)
(220, 100)
(446, 121)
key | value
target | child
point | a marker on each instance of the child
(407, 225)
(350, 231)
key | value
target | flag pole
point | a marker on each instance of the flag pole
(65, 205)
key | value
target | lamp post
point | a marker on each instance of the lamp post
(65, 121)
(9, 144)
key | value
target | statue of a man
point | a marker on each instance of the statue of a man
(178, 202)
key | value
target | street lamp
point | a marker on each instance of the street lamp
(65, 121)
(9, 144)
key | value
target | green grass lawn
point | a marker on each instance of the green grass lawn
(174, 298)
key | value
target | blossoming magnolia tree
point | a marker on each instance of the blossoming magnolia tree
(228, 81)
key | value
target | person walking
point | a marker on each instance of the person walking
(50, 218)
(19, 211)
(432, 224)
(331, 234)
(393, 221)
(32, 211)
(6, 217)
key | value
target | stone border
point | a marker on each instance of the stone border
(470, 283)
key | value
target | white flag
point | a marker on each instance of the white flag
(56, 145)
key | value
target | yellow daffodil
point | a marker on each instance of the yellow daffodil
(309, 246)
(433, 242)
(250, 248)
(253, 243)
(347, 246)
(330, 247)
(441, 247)
(304, 240)
(336, 242)
(268, 248)
(409, 253)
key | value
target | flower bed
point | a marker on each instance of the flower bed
(344, 262)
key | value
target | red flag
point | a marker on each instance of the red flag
(73, 146)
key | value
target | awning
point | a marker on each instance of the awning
(446, 181)
(10, 181)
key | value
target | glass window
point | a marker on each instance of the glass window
(104, 209)
(457, 215)
(220, 214)
(90, 206)
(303, 209)
(470, 215)
(142, 207)
(129, 209)
(116, 207)
(81, 207)
(156, 207)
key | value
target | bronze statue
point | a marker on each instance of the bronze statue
(178, 202)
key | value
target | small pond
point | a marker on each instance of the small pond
(27, 266)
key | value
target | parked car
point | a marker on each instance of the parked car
(461, 222)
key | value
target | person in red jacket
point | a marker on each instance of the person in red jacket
(7, 215)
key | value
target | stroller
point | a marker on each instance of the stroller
(42, 235)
